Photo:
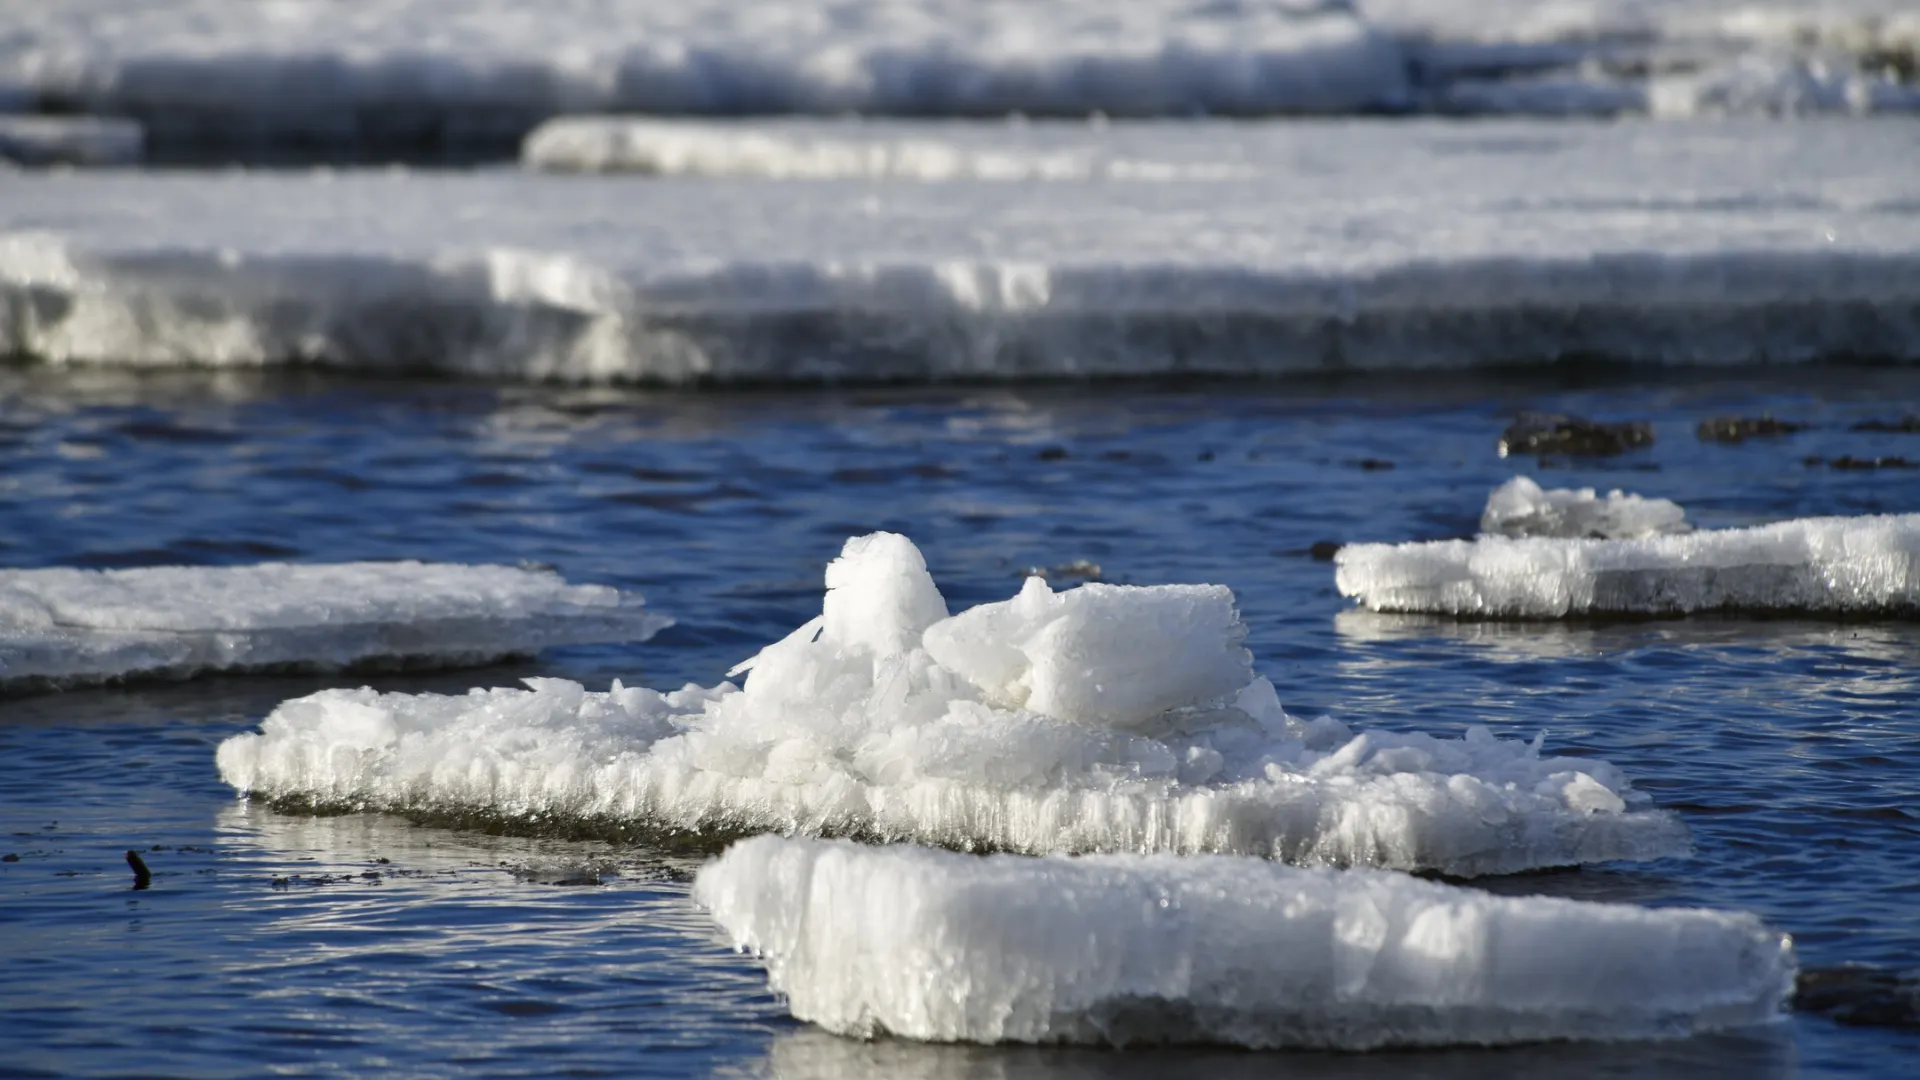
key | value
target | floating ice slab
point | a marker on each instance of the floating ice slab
(1820, 566)
(1521, 507)
(1645, 243)
(1128, 949)
(1104, 718)
(64, 627)
(69, 140)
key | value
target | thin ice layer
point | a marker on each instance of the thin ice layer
(66, 627)
(1520, 507)
(69, 140)
(1126, 949)
(1821, 566)
(1729, 243)
(1101, 719)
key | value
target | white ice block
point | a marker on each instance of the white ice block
(66, 627)
(1128, 949)
(1100, 719)
(1816, 566)
(1520, 507)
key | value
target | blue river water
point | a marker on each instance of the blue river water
(353, 945)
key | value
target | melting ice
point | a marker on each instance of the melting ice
(1103, 718)
(1520, 507)
(1830, 566)
(66, 627)
(1145, 949)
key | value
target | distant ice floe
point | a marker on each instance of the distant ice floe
(1103, 718)
(67, 627)
(1128, 949)
(1520, 507)
(1817, 566)
(1282, 249)
(70, 140)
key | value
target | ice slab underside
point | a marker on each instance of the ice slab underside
(1125, 949)
(65, 627)
(425, 74)
(1846, 566)
(1098, 719)
(1728, 243)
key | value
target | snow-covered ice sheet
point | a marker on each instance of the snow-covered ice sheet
(1521, 507)
(1102, 718)
(416, 74)
(1128, 949)
(69, 140)
(65, 627)
(1312, 250)
(422, 76)
(1854, 566)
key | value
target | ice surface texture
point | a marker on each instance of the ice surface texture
(1104, 718)
(1521, 507)
(1128, 949)
(1725, 243)
(67, 627)
(1822, 566)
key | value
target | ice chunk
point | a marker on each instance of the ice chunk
(1101, 719)
(70, 140)
(1521, 507)
(1129, 949)
(65, 627)
(1824, 566)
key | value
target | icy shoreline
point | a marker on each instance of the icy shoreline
(1098, 719)
(62, 627)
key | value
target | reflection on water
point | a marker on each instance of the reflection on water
(812, 1054)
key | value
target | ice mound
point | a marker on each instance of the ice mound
(70, 140)
(64, 627)
(1520, 507)
(1100, 719)
(1128, 949)
(1821, 566)
(811, 150)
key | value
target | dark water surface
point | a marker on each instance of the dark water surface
(364, 944)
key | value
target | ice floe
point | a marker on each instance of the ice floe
(1819, 566)
(1521, 507)
(1104, 718)
(1729, 243)
(66, 627)
(1128, 949)
(70, 140)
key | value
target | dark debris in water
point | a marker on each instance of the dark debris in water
(1325, 550)
(1906, 425)
(1848, 462)
(1860, 995)
(1077, 570)
(1558, 433)
(1738, 429)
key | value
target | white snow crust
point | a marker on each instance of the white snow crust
(1521, 507)
(70, 140)
(1128, 949)
(66, 627)
(427, 75)
(1823, 566)
(1105, 718)
(1731, 242)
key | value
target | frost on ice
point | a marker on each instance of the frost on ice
(63, 627)
(1822, 566)
(1521, 507)
(1127, 949)
(1101, 719)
